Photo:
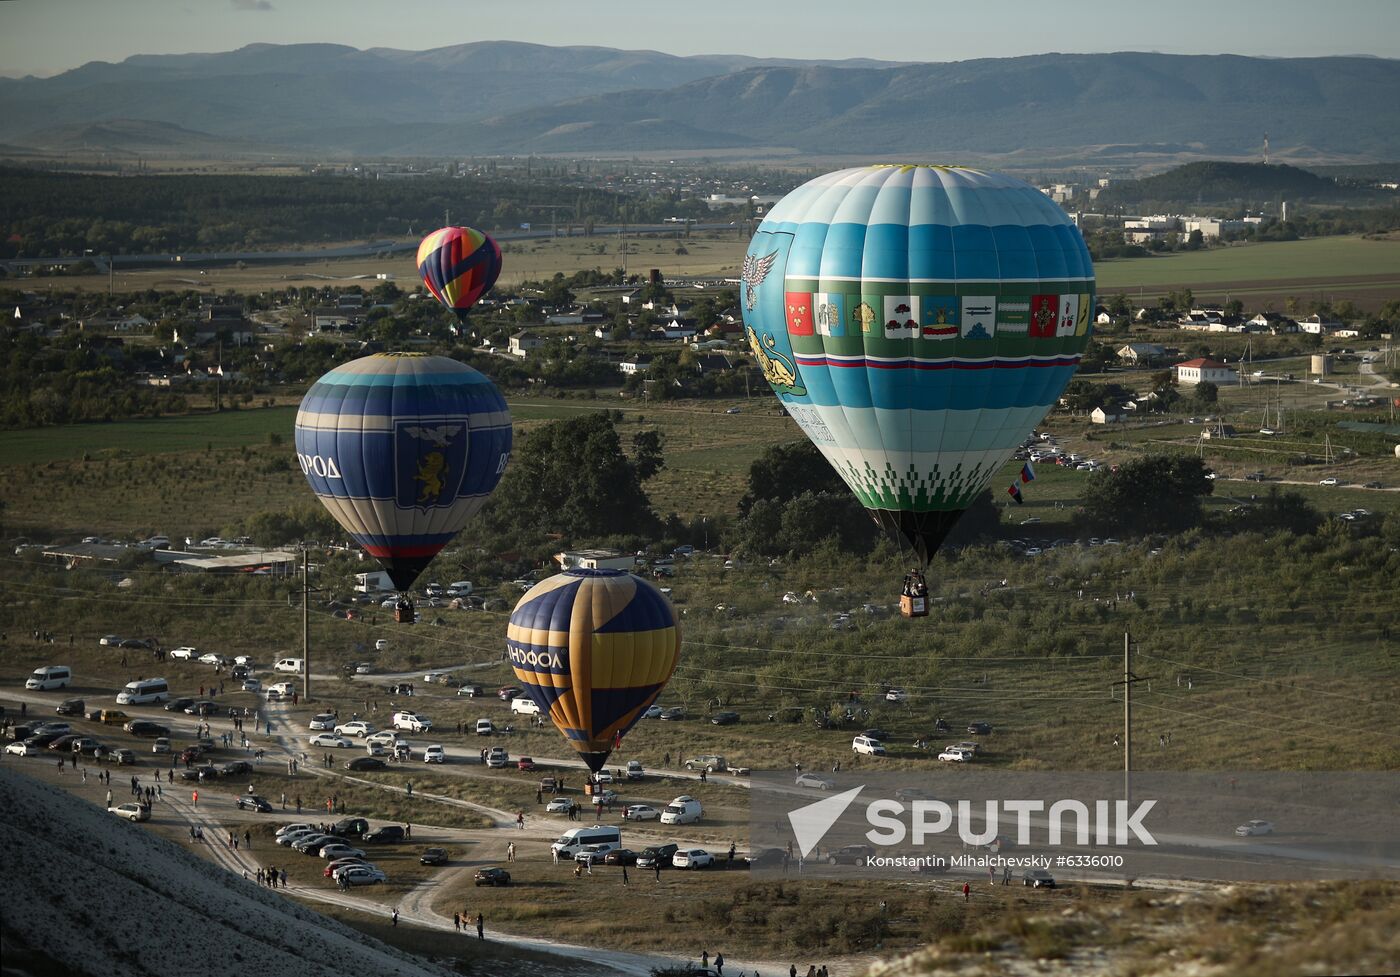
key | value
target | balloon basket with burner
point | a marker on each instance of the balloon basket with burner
(403, 612)
(913, 600)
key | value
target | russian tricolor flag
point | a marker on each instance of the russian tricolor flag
(1015, 492)
(1027, 473)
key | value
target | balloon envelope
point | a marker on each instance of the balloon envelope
(917, 322)
(459, 265)
(403, 449)
(593, 648)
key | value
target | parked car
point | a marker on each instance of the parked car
(491, 876)
(361, 875)
(433, 856)
(144, 727)
(724, 718)
(201, 708)
(383, 834)
(850, 855)
(708, 762)
(1038, 878)
(1329, 480)
(335, 865)
(331, 852)
(641, 812)
(70, 707)
(692, 858)
(497, 758)
(674, 713)
(255, 803)
(955, 755)
(594, 854)
(484, 727)
(525, 763)
(635, 771)
(322, 721)
(132, 812)
(434, 754)
(329, 739)
(507, 692)
(867, 746)
(469, 690)
(356, 727)
(560, 805)
(1255, 827)
(620, 856)
(979, 729)
(179, 705)
(654, 855)
(814, 780)
(895, 695)
(365, 763)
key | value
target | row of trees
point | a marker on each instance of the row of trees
(53, 214)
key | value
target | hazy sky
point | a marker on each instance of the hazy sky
(48, 36)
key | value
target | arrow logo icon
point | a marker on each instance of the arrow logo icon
(811, 823)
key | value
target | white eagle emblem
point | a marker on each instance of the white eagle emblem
(753, 271)
(438, 436)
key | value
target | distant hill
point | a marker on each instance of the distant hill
(498, 97)
(1214, 182)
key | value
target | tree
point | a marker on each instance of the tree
(1207, 392)
(785, 471)
(1159, 493)
(1280, 512)
(647, 455)
(571, 477)
(1195, 240)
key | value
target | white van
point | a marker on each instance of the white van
(459, 588)
(288, 665)
(279, 691)
(144, 692)
(524, 707)
(683, 810)
(575, 838)
(868, 745)
(48, 678)
(412, 722)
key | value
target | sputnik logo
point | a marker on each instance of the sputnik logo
(811, 823)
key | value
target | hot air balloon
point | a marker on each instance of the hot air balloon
(459, 265)
(403, 449)
(917, 322)
(593, 649)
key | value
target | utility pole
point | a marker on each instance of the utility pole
(1129, 680)
(305, 624)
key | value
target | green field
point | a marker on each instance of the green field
(1347, 259)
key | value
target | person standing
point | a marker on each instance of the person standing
(704, 958)
(967, 892)
(624, 875)
(719, 963)
(480, 927)
(457, 917)
(396, 916)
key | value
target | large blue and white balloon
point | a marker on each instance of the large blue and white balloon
(917, 322)
(403, 449)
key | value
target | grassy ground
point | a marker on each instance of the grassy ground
(1345, 259)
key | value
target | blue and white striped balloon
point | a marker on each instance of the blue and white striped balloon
(917, 322)
(403, 449)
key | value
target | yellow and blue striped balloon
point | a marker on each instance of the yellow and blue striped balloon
(593, 648)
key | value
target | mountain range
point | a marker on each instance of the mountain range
(491, 98)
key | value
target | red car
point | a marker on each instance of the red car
(525, 763)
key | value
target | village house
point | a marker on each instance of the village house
(522, 343)
(1204, 370)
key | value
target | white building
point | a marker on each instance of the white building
(1204, 370)
(594, 560)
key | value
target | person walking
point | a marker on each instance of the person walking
(247, 839)
(457, 917)
(396, 916)
(967, 892)
(109, 804)
(704, 958)
(194, 798)
(480, 927)
(719, 963)
(624, 875)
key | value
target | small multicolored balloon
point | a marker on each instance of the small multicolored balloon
(459, 265)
